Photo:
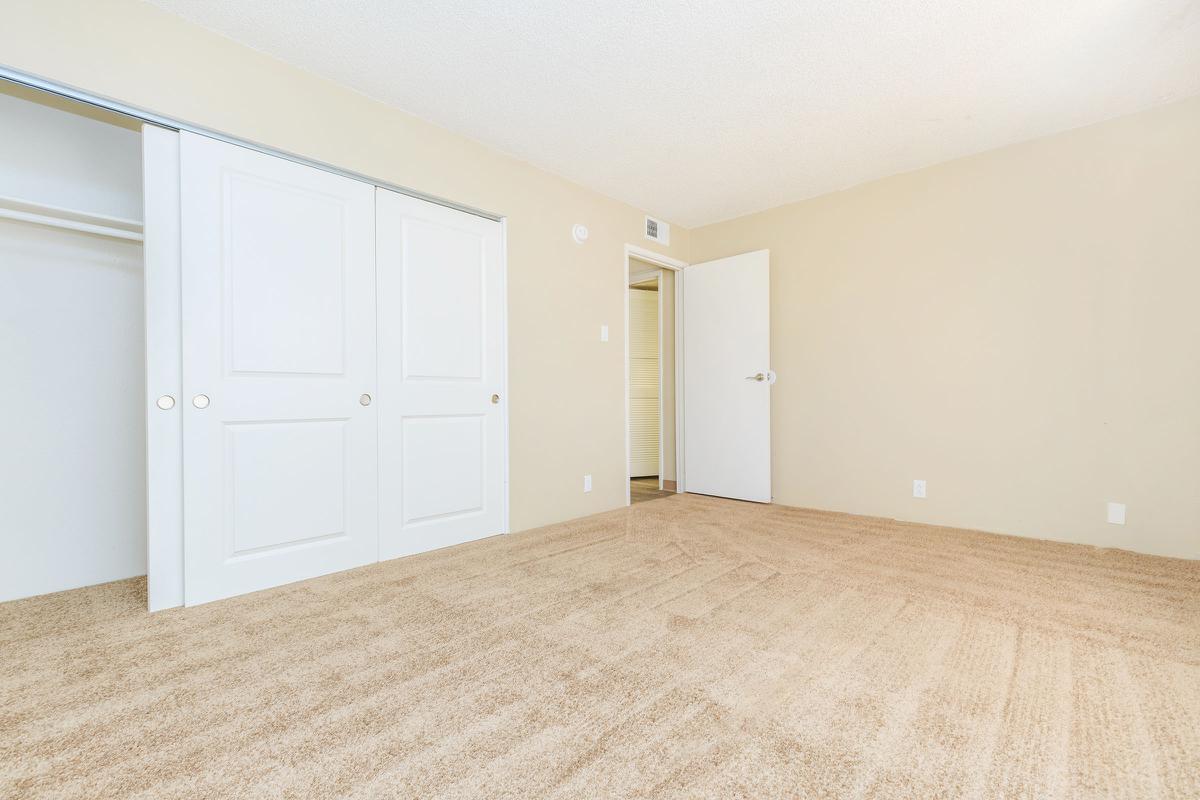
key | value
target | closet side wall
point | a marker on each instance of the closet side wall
(72, 466)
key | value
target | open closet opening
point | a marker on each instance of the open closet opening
(651, 381)
(73, 464)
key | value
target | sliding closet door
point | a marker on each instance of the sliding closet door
(441, 376)
(280, 434)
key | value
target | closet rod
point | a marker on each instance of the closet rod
(69, 219)
(71, 225)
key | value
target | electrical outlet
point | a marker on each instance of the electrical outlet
(587, 483)
(604, 333)
(918, 488)
(1116, 513)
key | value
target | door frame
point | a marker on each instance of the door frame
(632, 251)
(504, 398)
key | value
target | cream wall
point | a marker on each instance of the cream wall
(565, 386)
(1018, 328)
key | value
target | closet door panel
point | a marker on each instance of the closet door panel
(443, 295)
(441, 318)
(280, 451)
(440, 475)
(292, 326)
(164, 369)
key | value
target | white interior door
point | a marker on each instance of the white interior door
(727, 377)
(279, 433)
(644, 425)
(441, 375)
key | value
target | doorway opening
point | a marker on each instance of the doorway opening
(652, 441)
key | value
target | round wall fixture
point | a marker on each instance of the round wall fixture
(579, 233)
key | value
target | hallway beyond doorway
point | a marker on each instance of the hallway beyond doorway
(642, 489)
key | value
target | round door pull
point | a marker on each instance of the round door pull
(364, 399)
(495, 399)
(166, 402)
(200, 401)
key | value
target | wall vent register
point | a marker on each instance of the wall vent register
(658, 231)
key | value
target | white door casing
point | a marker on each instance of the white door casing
(441, 305)
(727, 377)
(278, 287)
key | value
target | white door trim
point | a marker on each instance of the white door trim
(504, 398)
(676, 266)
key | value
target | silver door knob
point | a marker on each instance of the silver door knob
(364, 399)
(200, 401)
(756, 377)
(166, 402)
(495, 399)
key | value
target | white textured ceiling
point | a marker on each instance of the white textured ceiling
(699, 111)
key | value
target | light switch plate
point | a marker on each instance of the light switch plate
(918, 488)
(604, 333)
(587, 483)
(1116, 513)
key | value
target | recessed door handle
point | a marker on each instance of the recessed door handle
(166, 402)
(364, 399)
(200, 401)
(495, 399)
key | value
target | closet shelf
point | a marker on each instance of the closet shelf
(70, 219)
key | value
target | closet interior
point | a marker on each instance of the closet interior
(73, 464)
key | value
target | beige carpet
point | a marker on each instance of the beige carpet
(687, 647)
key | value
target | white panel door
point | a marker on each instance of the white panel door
(441, 376)
(727, 377)
(279, 433)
